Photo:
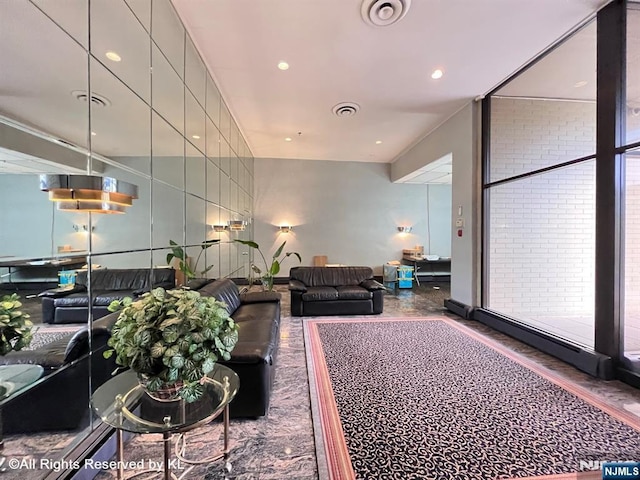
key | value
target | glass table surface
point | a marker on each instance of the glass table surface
(14, 378)
(122, 403)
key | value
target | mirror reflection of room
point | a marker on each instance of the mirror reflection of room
(86, 106)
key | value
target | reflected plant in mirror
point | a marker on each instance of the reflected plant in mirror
(15, 326)
(184, 265)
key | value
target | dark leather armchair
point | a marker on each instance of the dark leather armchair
(335, 291)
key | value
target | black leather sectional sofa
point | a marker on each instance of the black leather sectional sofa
(70, 305)
(60, 399)
(254, 356)
(335, 291)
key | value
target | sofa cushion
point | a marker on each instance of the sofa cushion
(142, 279)
(316, 294)
(258, 333)
(351, 292)
(73, 300)
(223, 290)
(104, 298)
(330, 276)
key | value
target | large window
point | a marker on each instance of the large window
(631, 224)
(540, 194)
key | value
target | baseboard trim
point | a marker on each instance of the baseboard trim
(593, 363)
(461, 309)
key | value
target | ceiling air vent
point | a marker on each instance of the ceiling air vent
(382, 13)
(346, 109)
(96, 100)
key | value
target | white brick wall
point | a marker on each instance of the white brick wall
(542, 228)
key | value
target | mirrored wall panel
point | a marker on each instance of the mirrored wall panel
(102, 167)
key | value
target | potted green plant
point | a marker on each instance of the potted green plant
(271, 270)
(183, 261)
(172, 340)
(15, 326)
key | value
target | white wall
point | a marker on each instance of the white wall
(457, 136)
(348, 211)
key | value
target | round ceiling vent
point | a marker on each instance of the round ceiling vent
(346, 109)
(381, 13)
(96, 100)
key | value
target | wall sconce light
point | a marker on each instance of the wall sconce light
(405, 229)
(219, 228)
(237, 225)
(89, 193)
(285, 228)
(82, 228)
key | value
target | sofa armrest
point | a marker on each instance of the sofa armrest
(78, 346)
(371, 285)
(259, 297)
(165, 285)
(297, 286)
(62, 291)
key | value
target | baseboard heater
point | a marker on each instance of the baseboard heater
(459, 308)
(593, 363)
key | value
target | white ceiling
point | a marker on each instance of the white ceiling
(335, 57)
(437, 172)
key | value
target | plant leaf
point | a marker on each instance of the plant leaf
(279, 251)
(275, 268)
(249, 243)
(208, 243)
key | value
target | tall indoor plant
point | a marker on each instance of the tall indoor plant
(15, 326)
(172, 340)
(270, 270)
(183, 261)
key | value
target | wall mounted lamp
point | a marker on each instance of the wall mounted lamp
(285, 228)
(237, 225)
(219, 228)
(89, 193)
(405, 229)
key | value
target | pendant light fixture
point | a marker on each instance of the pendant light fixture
(89, 193)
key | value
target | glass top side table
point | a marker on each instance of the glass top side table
(14, 378)
(123, 404)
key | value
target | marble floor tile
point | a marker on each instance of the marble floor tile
(280, 445)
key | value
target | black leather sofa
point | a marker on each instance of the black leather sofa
(254, 356)
(335, 291)
(59, 400)
(69, 305)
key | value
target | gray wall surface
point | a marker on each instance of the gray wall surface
(458, 136)
(348, 211)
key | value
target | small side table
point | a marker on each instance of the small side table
(122, 403)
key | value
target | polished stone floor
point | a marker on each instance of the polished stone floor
(281, 444)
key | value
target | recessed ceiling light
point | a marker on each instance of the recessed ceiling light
(113, 56)
(378, 142)
(579, 84)
(288, 139)
(283, 66)
(437, 73)
(197, 137)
